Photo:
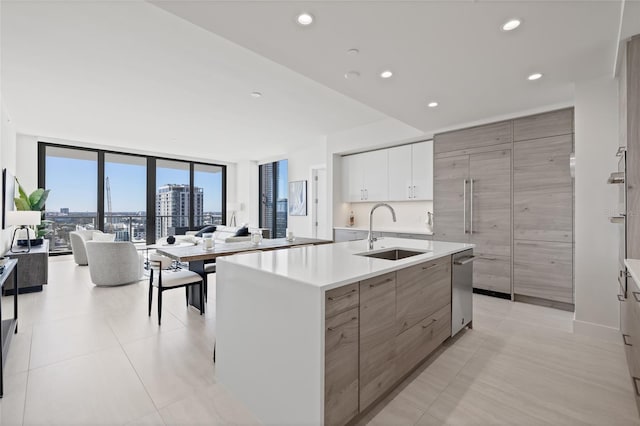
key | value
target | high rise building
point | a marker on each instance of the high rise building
(172, 207)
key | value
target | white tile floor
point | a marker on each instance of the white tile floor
(86, 355)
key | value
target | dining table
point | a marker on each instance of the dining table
(197, 256)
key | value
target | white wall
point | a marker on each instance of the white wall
(300, 164)
(7, 160)
(246, 193)
(596, 239)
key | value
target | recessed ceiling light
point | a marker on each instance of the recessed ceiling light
(534, 76)
(353, 52)
(352, 75)
(256, 94)
(386, 74)
(304, 19)
(432, 104)
(511, 24)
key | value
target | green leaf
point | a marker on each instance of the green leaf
(23, 193)
(39, 205)
(35, 196)
(21, 204)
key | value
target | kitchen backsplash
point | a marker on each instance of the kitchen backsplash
(410, 214)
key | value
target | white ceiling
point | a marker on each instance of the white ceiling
(136, 76)
(449, 51)
(132, 76)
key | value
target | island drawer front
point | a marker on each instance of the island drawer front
(341, 299)
(377, 337)
(341, 367)
(422, 290)
(418, 342)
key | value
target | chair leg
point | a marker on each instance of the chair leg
(150, 297)
(202, 302)
(214, 352)
(205, 282)
(186, 294)
(159, 305)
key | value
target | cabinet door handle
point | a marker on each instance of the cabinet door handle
(464, 206)
(342, 324)
(414, 191)
(430, 324)
(620, 298)
(520, 243)
(409, 191)
(425, 268)
(383, 282)
(624, 339)
(471, 209)
(635, 295)
(635, 385)
(464, 260)
(349, 294)
(366, 194)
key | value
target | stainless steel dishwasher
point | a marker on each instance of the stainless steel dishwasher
(462, 291)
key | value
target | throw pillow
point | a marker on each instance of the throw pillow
(242, 232)
(207, 229)
(99, 236)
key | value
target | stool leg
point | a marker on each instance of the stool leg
(186, 294)
(159, 305)
(202, 301)
(150, 297)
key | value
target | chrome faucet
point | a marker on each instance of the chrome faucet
(393, 214)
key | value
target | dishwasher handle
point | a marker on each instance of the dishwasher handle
(464, 260)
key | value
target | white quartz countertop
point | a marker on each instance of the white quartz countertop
(421, 231)
(329, 266)
(633, 266)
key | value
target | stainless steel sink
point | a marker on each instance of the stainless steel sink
(393, 254)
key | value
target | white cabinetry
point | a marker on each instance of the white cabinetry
(411, 172)
(402, 173)
(365, 176)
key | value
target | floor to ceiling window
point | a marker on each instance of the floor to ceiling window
(125, 189)
(139, 198)
(72, 202)
(273, 184)
(208, 191)
(173, 198)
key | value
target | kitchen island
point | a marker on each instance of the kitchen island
(317, 335)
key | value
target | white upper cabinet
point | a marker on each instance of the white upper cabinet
(411, 172)
(364, 176)
(422, 170)
(376, 184)
(401, 173)
(400, 181)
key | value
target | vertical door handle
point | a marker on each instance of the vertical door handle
(414, 191)
(471, 209)
(366, 194)
(409, 191)
(464, 205)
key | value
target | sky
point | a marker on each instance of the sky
(73, 184)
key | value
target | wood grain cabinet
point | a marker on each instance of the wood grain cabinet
(421, 290)
(377, 336)
(544, 269)
(505, 186)
(473, 205)
(341, 367)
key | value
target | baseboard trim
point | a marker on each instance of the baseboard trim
(599, 331)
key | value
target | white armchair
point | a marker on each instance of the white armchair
(114, 262)
(78, 240)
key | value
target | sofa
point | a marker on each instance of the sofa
(78, 240)
(114, 262)
(222, 234)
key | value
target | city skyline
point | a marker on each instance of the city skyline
(73, 185)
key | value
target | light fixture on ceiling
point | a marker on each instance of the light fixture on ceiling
(353, 52)
(511, 24)
(432, 104)
(256, 94)
(534, 76)
(351, 75)
(304, 19)
(386, 74)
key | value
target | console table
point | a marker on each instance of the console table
(34, 269)
(8, 327)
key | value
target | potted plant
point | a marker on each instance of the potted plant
(34, 202)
